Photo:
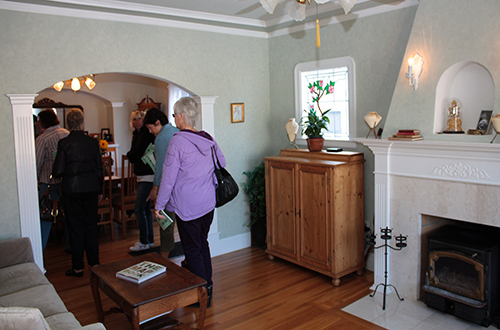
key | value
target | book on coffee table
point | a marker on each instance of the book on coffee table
(141, 272)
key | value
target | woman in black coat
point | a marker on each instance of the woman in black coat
(141, 139)
(78, 163)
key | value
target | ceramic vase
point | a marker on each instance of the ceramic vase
(372, 119)
(291, 129)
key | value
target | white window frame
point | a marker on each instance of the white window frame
(299, 112)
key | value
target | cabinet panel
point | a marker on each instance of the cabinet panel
(282, 230)
(314, 224)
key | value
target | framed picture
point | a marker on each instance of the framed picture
(237, 112)
(484, 121)
(104, 133)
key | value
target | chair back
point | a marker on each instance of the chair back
(105, 203)
(128, 181)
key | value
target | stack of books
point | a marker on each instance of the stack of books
(407, 135)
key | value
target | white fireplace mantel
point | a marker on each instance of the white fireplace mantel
(443, 179)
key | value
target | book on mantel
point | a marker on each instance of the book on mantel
(407, 135)
(141, 272)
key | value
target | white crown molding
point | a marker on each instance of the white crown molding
(216, 23)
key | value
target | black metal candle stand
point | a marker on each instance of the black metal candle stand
(400, 244)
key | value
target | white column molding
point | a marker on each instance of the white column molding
(380, 149)
(24, 145)
(117, 110)
(207, 113)
(206, 122)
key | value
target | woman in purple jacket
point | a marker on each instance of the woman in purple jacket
(188, 187)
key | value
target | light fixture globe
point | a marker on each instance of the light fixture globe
(58, 86)
(269, 5)
(90, 83)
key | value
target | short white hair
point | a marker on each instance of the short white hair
(189, 108)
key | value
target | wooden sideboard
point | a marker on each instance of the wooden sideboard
(315, 210)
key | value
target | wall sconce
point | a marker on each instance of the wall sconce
(415, 66)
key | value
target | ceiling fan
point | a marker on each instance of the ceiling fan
(298, 9)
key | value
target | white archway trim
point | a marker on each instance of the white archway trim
(24, 146)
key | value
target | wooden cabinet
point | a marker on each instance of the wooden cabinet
(315, 210)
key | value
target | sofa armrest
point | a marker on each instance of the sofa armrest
(15, 251)
(22, 318)
(94, 326)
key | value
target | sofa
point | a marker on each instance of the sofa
(27, 299)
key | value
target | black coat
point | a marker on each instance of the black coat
(78, 163)
(140, 142)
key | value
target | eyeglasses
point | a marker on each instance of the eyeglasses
(175, 114)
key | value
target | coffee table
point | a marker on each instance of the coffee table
(175, 288)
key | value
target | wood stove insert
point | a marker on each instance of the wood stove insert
(463, 275)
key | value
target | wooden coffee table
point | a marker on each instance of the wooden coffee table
(174, 289)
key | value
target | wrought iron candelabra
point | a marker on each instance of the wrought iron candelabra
(400, 244)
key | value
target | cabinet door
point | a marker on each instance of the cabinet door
(314, 221)
(281, 219)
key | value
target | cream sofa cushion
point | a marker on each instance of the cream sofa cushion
(22, 318)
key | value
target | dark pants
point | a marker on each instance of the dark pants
(194, 239)
(81, 219)
(143, 213)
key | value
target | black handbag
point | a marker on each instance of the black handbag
(50, 210)
(227, 188)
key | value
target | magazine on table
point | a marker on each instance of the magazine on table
(141, 272)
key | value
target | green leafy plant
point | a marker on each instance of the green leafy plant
(255, 188)
(314, 123)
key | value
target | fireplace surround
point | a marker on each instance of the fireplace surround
(416, 180)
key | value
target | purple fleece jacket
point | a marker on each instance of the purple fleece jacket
(188, 182)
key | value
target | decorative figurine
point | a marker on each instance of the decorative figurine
(495, 122)
(372, 119)
(454, 123)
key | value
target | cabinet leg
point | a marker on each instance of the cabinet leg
(270, 257)
(335, 281)
(360, 272)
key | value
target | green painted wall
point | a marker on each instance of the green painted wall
(39, 50)
(445, 32)
(377, 45)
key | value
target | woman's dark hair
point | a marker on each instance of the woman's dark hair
(152, 115)
(48, 118)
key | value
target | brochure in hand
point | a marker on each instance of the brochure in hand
(166, 221)
(149, 157)
(141, 272)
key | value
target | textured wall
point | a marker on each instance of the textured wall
(445, 32)
(38, 50)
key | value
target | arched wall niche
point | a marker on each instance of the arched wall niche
(471, 84)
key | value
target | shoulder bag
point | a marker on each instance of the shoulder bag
(227, 188)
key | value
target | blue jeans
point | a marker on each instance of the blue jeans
(143, 213)
(46, 226)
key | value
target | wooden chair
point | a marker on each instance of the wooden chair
(111, 152)
(128, 194)
(105, 205)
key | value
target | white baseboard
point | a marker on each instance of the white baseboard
(229, 244)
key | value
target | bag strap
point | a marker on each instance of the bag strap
(218, 163)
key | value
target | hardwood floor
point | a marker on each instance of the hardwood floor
(250, 292)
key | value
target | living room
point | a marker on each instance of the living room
(41, 47)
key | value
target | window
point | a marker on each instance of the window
(342, 102)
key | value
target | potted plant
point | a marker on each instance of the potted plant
(315, 122)
(255, 188)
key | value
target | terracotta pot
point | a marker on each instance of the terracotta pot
(315, 143)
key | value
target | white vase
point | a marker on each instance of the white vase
(372, 119)
(291, 129)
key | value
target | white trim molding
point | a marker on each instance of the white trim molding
(24, 146)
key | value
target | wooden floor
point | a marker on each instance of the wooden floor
(250, 292)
